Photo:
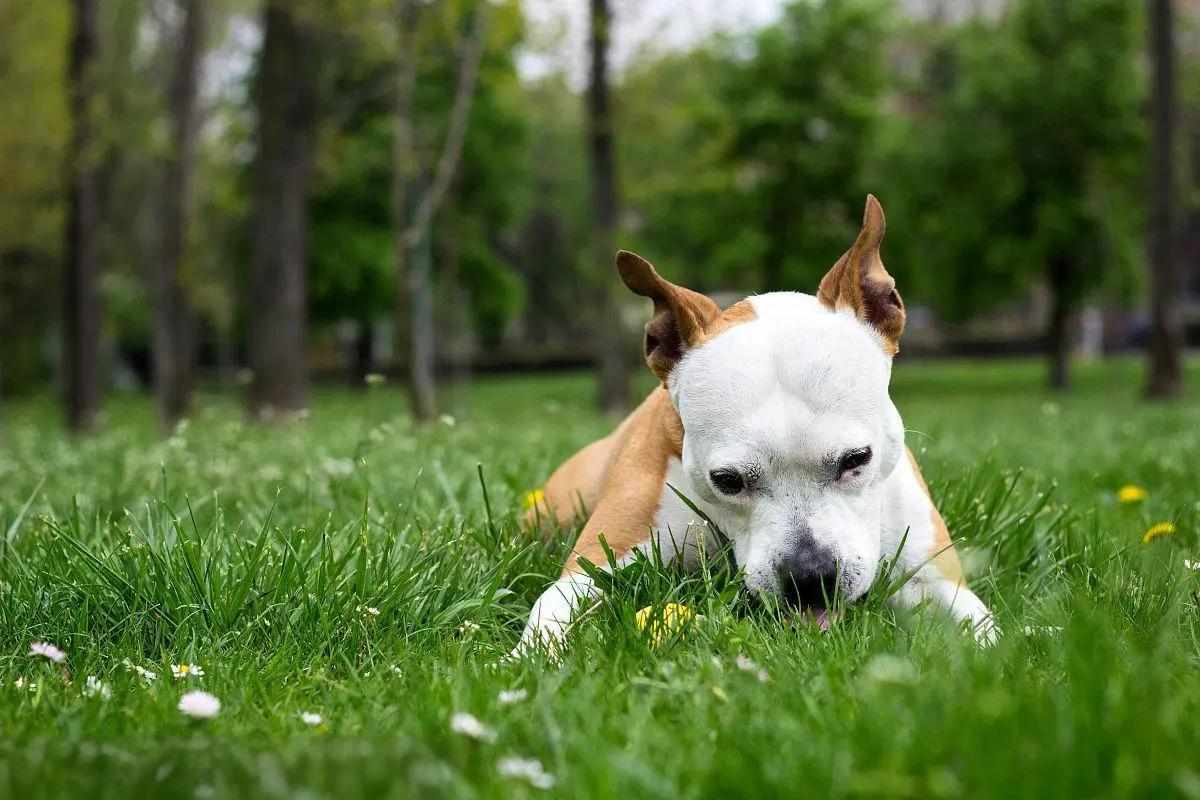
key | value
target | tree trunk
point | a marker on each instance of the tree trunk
(174, 323)
(363, 360)
(82, 310)
(416, 198)
(287, 102)
(1165, 356)
(611, 360)
(1062, 319)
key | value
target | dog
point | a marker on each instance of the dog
(773, 418)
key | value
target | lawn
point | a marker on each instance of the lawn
(351, 566)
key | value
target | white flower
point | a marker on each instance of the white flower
(311, 718)
(510, 696)
(368, 611)
(94, 687)
(746, 665)
(468, 725)
(21, 683)
(199, 705)
(142, 672)
(448, 420)
(526, 769)
(1192, 564)
(468, 627)
(396, 669)
(886, 668)
(47, 650)
(187, 670)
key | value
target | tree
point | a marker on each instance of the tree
(287, 101)
(806, 106)
(418, 192)
(611, 359)
(1165, 362)
(173, 315)
(82, 310)
(1043, 108)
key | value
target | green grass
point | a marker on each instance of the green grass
(256, 552)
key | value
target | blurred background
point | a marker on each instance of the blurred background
(258, 196)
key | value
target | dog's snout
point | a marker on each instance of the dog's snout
(808, 578)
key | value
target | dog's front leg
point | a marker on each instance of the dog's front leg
(550, 618)
(929, 585)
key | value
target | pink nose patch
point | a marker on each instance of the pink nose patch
(822, 618)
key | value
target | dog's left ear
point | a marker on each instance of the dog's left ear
(858, 281)
(680, 315)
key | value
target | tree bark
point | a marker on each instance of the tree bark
(612, 363)
(1165, 354)
(287, 102)
(1062, 322)
(174, 321)
(416, 199)
(82, 303)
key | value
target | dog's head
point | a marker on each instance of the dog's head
(789, 432)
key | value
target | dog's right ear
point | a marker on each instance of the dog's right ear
(680, 319)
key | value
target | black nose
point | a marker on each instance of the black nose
(808, 579)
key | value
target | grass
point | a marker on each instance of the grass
(261, 553)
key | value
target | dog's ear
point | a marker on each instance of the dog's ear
(680, 315)
(858, 281)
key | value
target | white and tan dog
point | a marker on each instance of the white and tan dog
(774, 418)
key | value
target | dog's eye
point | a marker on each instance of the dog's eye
(854, 459)
(727, 481)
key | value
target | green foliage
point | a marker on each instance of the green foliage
(1024, 150)
(262, 553)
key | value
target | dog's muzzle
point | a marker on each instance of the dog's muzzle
(808, 578)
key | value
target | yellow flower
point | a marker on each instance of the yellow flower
(535, 497)
(669, 619)
(1156, 530)
(1131, 493)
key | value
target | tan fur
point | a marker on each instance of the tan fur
(944, 556)
(859, 281)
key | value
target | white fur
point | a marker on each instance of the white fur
(784, 394)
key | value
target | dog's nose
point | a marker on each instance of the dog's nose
(808, 579)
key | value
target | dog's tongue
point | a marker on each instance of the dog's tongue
(822, 617)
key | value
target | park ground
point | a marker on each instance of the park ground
(351, 567)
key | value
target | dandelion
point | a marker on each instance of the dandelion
(47, 650)
(1131, 493)
(511, 696)
(470, 726)
(199, 705)
(1156, 530)
(94, 687)
(311, 719)
(529, 770)
(142, 672)
(745, 664)
(673, 617)
(533, 498)
(187, 670)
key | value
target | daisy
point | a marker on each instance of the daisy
(47, 650)
(311, 719)
(142, 672)
(199, 705)
(526, 769)
(511, 696)
(94, 687)
(745, 664)
(470, 726)
(187, 670)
